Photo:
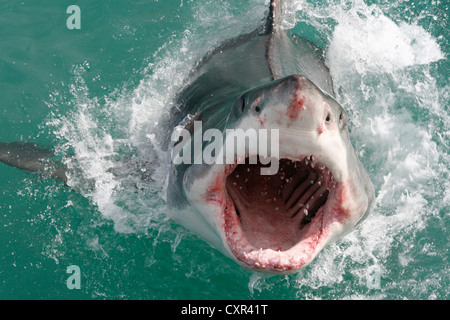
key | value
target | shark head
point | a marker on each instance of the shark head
(274, 204)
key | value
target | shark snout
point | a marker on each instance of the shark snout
(295, 103)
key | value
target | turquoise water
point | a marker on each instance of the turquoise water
(97, 94)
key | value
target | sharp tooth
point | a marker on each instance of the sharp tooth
(306, 212)
(279, 258)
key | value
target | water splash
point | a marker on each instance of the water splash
(382, 74)
(116, 156)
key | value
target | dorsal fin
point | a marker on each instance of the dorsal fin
(273, 17)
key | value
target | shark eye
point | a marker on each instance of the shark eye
(328, 118)
(257, 109)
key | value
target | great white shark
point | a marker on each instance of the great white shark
(270, 79)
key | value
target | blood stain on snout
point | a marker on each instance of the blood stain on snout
(297, 104)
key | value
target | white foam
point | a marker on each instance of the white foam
(289, 13)
(378, 44)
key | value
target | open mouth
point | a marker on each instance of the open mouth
(276, 221)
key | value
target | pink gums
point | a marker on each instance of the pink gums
(277, 261)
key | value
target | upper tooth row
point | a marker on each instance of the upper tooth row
(311, 162)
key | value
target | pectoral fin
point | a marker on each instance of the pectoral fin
(27, 156)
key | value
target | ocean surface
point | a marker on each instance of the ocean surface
(97, 93)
